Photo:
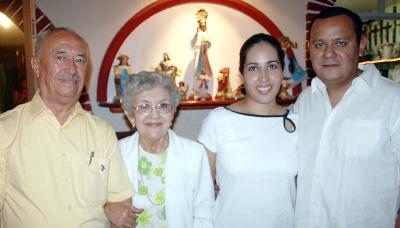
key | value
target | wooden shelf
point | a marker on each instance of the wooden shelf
(115, 107)
(381, 61)
(206, 104)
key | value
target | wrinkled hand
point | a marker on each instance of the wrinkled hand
(122, 214)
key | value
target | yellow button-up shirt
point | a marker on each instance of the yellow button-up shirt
(54, 175)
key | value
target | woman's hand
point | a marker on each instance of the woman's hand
(122, 214)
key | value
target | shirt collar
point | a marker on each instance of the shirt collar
(37, 106)
(365, 79)
(317, 85)
(370, 72)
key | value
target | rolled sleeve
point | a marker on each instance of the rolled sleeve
(119, 187)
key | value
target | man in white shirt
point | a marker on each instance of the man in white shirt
(349, 132)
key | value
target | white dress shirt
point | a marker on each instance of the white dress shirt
(349, 155)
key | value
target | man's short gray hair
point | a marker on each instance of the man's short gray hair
(144, 81)
(42, 36)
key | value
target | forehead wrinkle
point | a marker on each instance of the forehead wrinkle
(149, 102)
(61, 40)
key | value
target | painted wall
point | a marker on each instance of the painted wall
(170, 30)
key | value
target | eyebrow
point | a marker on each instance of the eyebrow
(83, 55)
(317, 40)
(324, 40)
(257, 63)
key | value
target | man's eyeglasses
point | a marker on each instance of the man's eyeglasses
(145, 109)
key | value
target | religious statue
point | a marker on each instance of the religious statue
(122, 72)
(202, 89)
(238, 93)
(201, 44)
(167, 68)
(223, 83)
(182, 89)
(283, 93)
(293, 72)
(286, 42)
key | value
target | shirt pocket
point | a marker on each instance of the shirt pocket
(95, 182)
(360, 138)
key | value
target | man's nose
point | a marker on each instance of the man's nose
(71, 66)
(329, 51)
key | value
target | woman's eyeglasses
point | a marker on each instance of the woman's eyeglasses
(145, 108)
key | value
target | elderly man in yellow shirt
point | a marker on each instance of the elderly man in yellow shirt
(59, 165)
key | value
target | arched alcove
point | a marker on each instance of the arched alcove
(159, 6)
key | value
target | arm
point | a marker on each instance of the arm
(395, 135)
(118, 209)
(204, 194)
(396, 146)
(212, 160)
(195, 37)
(122, 214)
(208, 136)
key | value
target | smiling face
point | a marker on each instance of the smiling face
(262, 74)
(154, 125)
(334, 51)
(61, 68)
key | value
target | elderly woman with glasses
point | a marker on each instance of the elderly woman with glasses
(170, 174)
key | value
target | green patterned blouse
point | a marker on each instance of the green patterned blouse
(151, 191)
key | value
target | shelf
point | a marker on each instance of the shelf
(206, 104)
(381, 61)
(115, 107)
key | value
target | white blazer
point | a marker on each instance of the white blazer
(189, 190)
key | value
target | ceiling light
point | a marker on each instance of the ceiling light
(4, 21)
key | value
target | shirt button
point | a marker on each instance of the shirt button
(314, 203)
(69, 208)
